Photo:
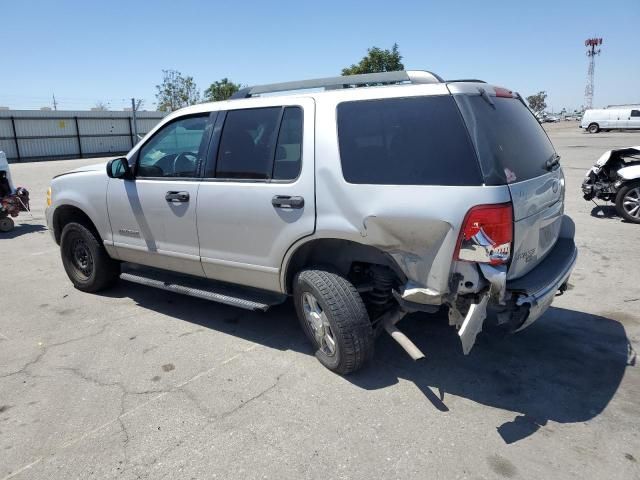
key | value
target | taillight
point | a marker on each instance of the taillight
(503, 92)
(486, 234)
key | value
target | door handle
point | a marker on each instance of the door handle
(177, 197)
(285, 201)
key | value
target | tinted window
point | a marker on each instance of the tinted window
(289, 149)
(406, 141)
(511, 144)
(247, 144)
(635, 113)
(174, 151)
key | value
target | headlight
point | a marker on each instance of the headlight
(49, 197)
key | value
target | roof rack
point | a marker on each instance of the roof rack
(466, 80)
(345, 81)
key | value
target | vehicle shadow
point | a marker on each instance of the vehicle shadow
(564, 368)
(604, 211)
(23, 229)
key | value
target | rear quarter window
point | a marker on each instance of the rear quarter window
(406, 141)
(511, 144)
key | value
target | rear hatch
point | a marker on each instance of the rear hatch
(513, 149)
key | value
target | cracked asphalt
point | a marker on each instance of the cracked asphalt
(139, 383)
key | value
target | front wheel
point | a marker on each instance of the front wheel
(334, 319)
(593, 128)
(628, 202)
(87, 263)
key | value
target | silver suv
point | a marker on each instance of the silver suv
(409, 194)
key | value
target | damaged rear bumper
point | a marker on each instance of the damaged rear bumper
(512, 305)
(536, 290)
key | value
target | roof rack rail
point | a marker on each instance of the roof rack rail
(345, 81)
(466, 80)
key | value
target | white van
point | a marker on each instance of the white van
(618, 118)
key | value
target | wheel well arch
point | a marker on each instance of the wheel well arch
(69, 213)
(336, 253)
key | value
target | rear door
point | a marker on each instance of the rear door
(514, 149)
(258, 195)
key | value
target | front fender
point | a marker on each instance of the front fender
(87, 192)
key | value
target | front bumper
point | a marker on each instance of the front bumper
(48, 215)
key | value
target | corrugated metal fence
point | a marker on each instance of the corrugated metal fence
(28, 135)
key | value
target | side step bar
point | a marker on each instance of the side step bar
(246, 298)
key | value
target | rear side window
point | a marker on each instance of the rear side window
(511, 144)
(247, 144)
(406, 141)
(289, 148)
(261, 144)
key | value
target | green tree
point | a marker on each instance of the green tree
(176, 91)
(537, 102)
(221, 90)
(377, 60)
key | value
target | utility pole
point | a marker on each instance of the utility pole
(55, 104)
(592, 51)
(134, 108)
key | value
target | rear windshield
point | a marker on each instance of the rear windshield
(406, 141)
(511, 144)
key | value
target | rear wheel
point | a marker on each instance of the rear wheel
(6, 224)
(334, 319)
(85, 259)
(628, 202)
(593, 128)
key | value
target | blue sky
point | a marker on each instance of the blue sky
(110, 51)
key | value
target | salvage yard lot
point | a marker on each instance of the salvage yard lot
(139, 383)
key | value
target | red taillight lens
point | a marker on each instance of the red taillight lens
(486, 234)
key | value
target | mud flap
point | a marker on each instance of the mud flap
(472, 324)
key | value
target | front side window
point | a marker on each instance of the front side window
(175, 150)
(635, 113)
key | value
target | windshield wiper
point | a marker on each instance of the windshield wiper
(552, 162)
(485, 96)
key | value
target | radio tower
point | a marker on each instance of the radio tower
(592, 51)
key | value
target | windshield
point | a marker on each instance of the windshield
(511, 144)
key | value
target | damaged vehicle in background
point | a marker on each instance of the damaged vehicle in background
(363, 204)
(615, 177)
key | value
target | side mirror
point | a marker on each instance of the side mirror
(119, 168)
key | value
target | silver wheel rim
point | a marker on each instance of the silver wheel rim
(318, 322)
(631, 202)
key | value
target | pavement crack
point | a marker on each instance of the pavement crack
(45, 349)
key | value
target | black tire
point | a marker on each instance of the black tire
(631, 189)
(85, 259)
(347, 317)
(593, 128)
(6, 224)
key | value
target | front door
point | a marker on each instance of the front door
(257, 198)
(634, 119)
(153, 217)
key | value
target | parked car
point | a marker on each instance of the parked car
(615, 177)
(625, 118)
(550, 119)
(363, 204)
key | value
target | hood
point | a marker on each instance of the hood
(88, 168)
(606, 156)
